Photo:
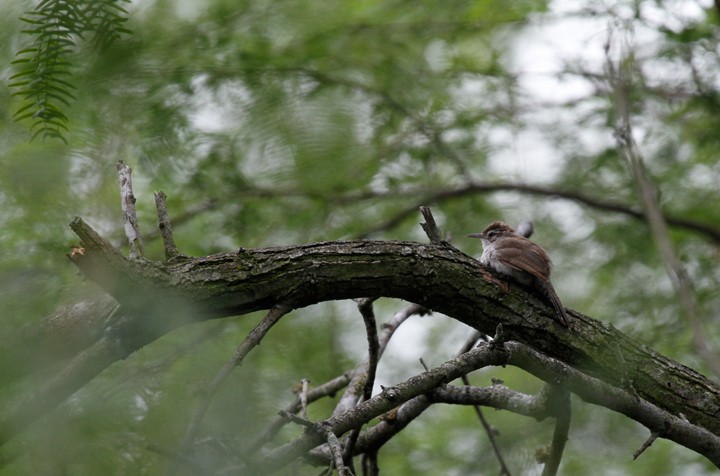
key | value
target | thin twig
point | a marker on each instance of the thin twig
(497, 396)
(489, 430)
(430, 227)
(366, 309)
(651, 439)
(560, 402)
(127, 202)
(303, 397)
(365, 306)
(370, 464)
(394, 421)
(549, 369)
(336, 450)
(376, 347)
(250, 342)
(327, 389)
(470, 342)
(171, 250)
(440, 196)
(620, 78)
(332, 386)
(388, 399)
(398, 318)
(302, 421)
(499, 338)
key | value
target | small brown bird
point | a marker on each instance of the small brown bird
(513, 255)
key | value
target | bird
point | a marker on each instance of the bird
(513, 255)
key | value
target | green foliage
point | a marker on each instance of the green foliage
(45, 79)
(290, 121)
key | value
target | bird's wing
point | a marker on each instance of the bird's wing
(524, 255)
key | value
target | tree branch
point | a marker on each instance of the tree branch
(365, 306)
(386, 401)
(559, 400)
(127, 201)
(489, 431)
(646, 444)
(429, 225)
(442, 196)
(250, 342)
(496, 396)
(58, 336)
(620, 78)
(437, 277)
(474, 188)
(372, 439)
(171, 250)
(593, 390)
(441, 278)
(358, 386)
(334, 385)
(546, 368)
(82, 368)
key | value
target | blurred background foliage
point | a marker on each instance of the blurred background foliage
(284, 122)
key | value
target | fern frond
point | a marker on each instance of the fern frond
(54, 26)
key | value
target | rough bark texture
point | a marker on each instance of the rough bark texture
(439, 277)
(592, 360)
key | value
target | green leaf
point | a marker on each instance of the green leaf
(54, 22)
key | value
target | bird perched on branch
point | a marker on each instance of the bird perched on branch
(515, 256)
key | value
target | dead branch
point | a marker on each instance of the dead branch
(127, 201)
(171, 250)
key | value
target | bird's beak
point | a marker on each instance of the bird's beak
(475, 235)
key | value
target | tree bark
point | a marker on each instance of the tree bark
(157, 298)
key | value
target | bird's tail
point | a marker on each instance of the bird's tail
(555, 301)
